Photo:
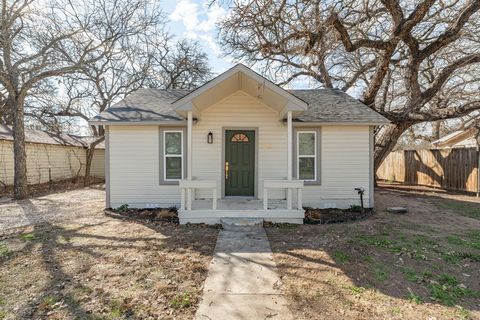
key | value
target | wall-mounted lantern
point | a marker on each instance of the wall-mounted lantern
(210, 137)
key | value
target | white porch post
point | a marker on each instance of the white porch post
(289, 159)
(299, 199)
(182, 199)
(189, 157)
(265, 199)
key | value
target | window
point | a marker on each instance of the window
(239, 137)
(173, 155)
(307, 155)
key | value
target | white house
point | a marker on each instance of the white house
(238, 146)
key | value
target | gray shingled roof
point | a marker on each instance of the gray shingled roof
(44, 137)
(144, 105)
(324, 105)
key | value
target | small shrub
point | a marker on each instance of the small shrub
(281, 225)
(356, 208)
(123, 208)
(335, 215)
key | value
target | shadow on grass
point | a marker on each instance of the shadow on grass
(467, 208)
(64, 252)
(357, 265)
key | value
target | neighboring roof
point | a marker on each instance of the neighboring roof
(458, 139)
(44, 137)
(144, 105)
(448, 136)
(326, 105)
(159, 105)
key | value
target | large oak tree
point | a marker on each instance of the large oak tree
(148, 58)
(42, 40)
(411, 61)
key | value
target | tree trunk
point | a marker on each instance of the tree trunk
(89, 155)
(386, 141)
(88, 165)
(20, 186)
(436, 130)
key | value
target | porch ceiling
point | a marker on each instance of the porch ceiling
(244, 79)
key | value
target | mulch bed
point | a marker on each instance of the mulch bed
(169, 215)
(324, 216)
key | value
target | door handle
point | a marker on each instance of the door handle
(226, 170)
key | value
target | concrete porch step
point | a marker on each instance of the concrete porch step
(241, 224)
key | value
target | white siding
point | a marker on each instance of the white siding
(134, 157)
(240, 110)
(64, 162)
(134, 168)
(344, 166)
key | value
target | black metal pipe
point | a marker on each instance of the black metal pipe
(360, 191)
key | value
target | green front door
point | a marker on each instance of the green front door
(239, 163)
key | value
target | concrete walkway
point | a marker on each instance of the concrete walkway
(242, 282)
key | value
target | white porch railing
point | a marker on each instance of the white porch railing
(283, 184)
(187, 186)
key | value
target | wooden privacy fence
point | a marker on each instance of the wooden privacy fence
(452, 169)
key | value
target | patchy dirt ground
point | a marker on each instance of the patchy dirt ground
(421, 265)
(85, 265)
(51, 207)
(41, 189)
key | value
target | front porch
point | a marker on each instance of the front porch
(242, 152)
(277, 211)
(211, 211)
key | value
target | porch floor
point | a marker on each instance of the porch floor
(239, 204)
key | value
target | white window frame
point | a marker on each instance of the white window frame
(314, 156)
(165, 155)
